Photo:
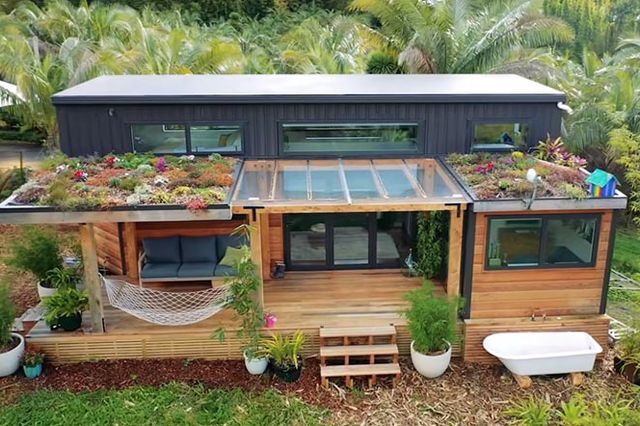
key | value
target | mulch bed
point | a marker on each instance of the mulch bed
(466, 394)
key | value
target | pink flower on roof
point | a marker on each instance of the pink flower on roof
(80, 175)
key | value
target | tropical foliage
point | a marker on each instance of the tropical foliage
(588, 48)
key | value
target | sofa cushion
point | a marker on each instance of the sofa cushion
(162, 250)
(160, 270)
(196, 270)
(198, 249)
(225, 271)
(224, 241)
(232, 257)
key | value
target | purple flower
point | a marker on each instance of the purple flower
(161, 165)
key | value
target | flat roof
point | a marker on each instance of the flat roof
(307, 88)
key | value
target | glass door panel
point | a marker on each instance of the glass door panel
(394, 239)
(350, 239)
(307, 240)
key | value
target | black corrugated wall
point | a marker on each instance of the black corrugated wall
(446, 127)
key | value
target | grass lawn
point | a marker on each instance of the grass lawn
(173, 404)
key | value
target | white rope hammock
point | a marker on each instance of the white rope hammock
(166, 307)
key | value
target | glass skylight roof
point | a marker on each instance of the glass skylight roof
(314, 182)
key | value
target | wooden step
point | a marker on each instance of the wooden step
(384, 330)
(358, 350)
(359, 370)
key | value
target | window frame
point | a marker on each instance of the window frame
(187, 128)
(473, 122)
(420, 140)
(544, 218)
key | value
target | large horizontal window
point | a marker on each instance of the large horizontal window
(207, 139)
(159, 138)
(543, 241)
(186, 139)
(499, 136)
(338, 138)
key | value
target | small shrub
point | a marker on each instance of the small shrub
(36, 251)
(530, 412)
(284, 351)
(431, 319)
(7, 316)
(32, 358)
(65, 303)
(431, 245)
(129, 183)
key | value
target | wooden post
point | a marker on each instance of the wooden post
(91, 278)
(255, 220)
(130, 250)
(455, 252)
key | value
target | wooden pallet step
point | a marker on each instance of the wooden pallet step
(359, 370)
(358, 350)
(385, 330)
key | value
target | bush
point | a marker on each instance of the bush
(431, 319)
(431, 247)
(66, 302)
(36, 251)
(7, 315)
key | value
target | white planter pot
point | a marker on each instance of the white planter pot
(46, 291)
(430, 366)
(255, 365)
(10, 361)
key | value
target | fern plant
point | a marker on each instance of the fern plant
(431, 319)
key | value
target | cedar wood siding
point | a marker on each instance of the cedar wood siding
(444, 127)
(552, 291)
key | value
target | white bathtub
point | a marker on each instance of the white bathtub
(535, 353)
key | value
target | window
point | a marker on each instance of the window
(207, 139)
(186, 139)
(544, 241)
(350, 138)
(494, 135)
(159, 138)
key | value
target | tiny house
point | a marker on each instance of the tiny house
(332, 171)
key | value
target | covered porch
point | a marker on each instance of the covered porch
(302, 300)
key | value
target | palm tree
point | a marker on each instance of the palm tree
(463, 36)
(338, 47)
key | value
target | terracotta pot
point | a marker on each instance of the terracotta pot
(10, 361)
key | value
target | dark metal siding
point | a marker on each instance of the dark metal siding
(89, 129)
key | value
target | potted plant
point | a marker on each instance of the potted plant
(37, 251)
(284, 355)
(11, 344)
(432, 325)
(32, 361)
(242, 288)
(64, 309)
(62, 277)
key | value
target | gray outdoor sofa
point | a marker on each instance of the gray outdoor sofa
(182, 258)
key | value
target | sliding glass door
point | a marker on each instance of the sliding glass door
(347, 240)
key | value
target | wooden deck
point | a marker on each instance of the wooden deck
(303, 300)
